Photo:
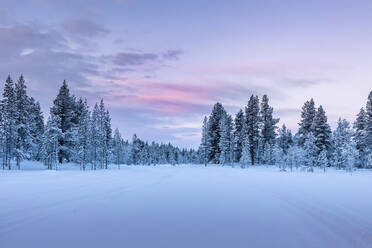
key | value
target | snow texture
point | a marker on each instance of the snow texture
(184, 206)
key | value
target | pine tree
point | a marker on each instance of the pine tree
(8, 121)
(322, 160)
(225, 143)
(117, 145)
(360, 137)
(351, 155)
(322, 131)
(252, 123)
(95, 137)
(246, 157)
(51, 145)
(22, 124)
(36, 128)
(63, 107)
(204, 142)
(83, 135)
(238, 136)
(368, 120)
(285, 140)
(214, 132)
(341, 136)
(306, 124)
(267, 124)
(311, 152)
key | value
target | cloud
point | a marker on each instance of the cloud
(84, 28)
(138, 58)
(133, 59)
(172, 54)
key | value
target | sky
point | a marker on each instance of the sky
(161, 65)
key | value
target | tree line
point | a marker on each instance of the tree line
(72, 133)
(253, 137)
(75, 133)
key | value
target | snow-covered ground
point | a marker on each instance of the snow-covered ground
(184, 206)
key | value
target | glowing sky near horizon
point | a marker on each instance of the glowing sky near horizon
(161, 65)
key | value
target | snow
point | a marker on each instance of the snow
(184, 206)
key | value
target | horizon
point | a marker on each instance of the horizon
(160, 70)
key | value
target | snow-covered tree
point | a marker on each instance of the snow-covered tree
(204, 142)
(238, 135)
(306, 123)
(8, 122)
(246, 158)
(322, 159)
(311, 152)
(22, 135)
(285, 139)
(351, 155)
(117, 148)
(267, 124)
(83, 147)
(63, 107)
(368, 120)
(252, 124)
(360, 137)
(322, 131)
(51, 146)
(214, 132)
(225, 143)
(341, 136)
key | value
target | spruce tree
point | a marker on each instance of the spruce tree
(311, 152)
(214, 132)
(285, 139)
(8, 122)
(252, 123)
(368, 120)
(225, 143)
(238, 135)
(360, 137)
(63, 107)
(267, 124)
(306, 123)
(341, 136)
(322, 131)
(22, 122)
(204, 142)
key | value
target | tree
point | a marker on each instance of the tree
(51, 145)
(246, 157)
(351, 155)
(22, 121)
(322, 160)
(306, 123)
(285, 140)
(238, 135)
(252, 122)
(225, 143)
(360, 137)
(204, 142)
(368, 120)
(63, 107)
(36, 128)
(214, 132)
(322, 131)
(267, 124)
(311, 152)
(117, 147)
(341, 136)
(83, 135)
(8, 122)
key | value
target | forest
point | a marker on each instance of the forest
(75, 133)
